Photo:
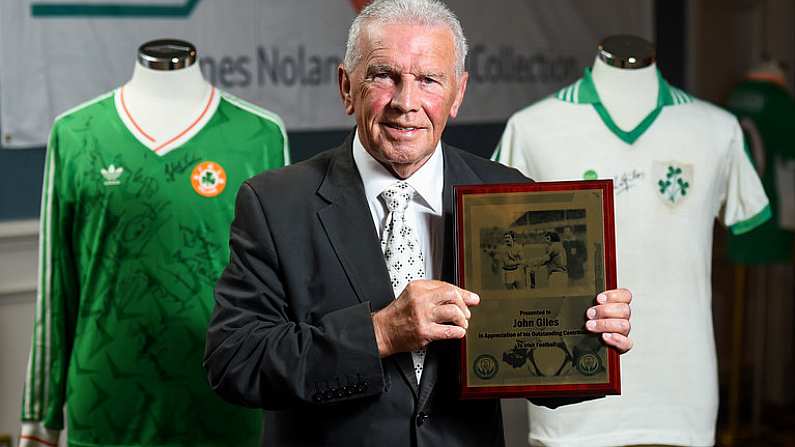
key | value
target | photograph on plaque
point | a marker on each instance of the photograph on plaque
(537, 254)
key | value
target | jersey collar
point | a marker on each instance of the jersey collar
(584, 92)
(163, 146)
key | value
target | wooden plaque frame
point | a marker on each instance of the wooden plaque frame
(613, 383)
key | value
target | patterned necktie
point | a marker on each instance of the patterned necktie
(402, 251)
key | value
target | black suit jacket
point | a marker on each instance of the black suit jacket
(291, 331)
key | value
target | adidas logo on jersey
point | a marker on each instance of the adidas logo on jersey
(112, 174)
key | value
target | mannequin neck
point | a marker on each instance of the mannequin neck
(164, 102)
(629, 95)
(175, 85)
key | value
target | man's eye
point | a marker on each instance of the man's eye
(429, 81)
(381, 75)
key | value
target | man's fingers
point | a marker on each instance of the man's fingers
(620, 342)
(613, 325)
(454, 295)
(446, 331)
(610, 310)
(427, 284)
(442, 291)
(449, 313)
(614, 296)
(471, 299)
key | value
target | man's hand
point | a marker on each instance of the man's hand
(425, 311)
(610, 317)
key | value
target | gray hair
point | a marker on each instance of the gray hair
(415, 12)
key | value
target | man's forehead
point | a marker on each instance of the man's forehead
(421, 52)
(438, 37)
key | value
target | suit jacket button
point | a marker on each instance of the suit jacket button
(422, 418)
(317, 397)
(328, 394)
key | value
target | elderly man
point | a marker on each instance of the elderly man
(306, 323)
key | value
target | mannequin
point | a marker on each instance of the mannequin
(162, 158)
(675, 162)
(167, 92)
(625, 75)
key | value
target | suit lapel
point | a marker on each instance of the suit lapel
(456, 172)
(349, 228)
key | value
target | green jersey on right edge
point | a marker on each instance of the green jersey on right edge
(134, 234)
(772, 110)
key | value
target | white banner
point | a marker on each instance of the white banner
(283, 54)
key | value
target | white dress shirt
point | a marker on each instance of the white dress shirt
(424, 212)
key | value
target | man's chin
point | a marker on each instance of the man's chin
(405, 161)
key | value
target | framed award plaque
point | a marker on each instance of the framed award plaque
(537, 254)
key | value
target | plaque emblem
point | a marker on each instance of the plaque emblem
(588, 364)
(674, 181)
(485, 366)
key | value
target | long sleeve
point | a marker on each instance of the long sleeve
(44, 391)
(260, 350)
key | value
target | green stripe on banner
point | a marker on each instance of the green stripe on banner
(111, 10)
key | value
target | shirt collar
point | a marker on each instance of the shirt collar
(584, 92)
(427, 182)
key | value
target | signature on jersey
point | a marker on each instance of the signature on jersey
(627, 181)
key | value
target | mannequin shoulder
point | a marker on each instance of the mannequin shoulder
(542, 108)
(94, 112)
(706, 112)
(244, 110)
(549, 112)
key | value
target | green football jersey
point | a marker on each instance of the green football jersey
(772, 110)
(133, 237)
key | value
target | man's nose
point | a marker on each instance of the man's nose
(405, 97)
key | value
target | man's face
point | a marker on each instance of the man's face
(402, 92)
(508, 240)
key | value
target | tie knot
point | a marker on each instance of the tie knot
(398, 196)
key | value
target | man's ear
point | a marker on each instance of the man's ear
(345, 89)
(459, 98)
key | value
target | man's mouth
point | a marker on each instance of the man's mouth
(401, 128)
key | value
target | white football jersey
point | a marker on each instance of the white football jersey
(679, 169)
